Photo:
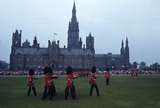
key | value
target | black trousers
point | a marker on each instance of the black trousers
(31, 88)
(91, 90)
(107, 81)
(45, 93)
(49, 92)
(71, 90)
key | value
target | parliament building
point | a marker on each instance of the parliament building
(76, 54)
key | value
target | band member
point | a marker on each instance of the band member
(134, 73)
(107, 76)
(31, 85)
(93, 82)
(46, 78)
(49, 87)
(69, 83)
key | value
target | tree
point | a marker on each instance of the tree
(142, 65)
(3, 65)
(155, 66)
(135, 65)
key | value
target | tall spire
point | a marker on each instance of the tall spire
(35, 40)
(35, 43)
(74, 17)
(126, 41)
(122, 48)
(127, 46)
(122, 44)
(127, 57)
(74, 6)
(73, 31)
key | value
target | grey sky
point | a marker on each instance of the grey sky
(108, 20)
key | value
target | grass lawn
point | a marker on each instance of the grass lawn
(124, 92)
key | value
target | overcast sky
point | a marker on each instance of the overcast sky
(109, 21)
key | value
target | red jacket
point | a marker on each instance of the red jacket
(92, 80)
(107, 74)
(51, 80)
(46, 80)
(30, 81)
(69, 79)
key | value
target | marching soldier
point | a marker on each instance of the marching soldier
(93, 82)
(69, 83)
(107, 76)
(49, 87)
(30, 84)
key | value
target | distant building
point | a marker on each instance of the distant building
(76, 54)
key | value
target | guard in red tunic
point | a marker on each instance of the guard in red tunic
(69, 83)
(107, 76)
(49, 87)
(93, 82)
(46, 85)
(31, 85)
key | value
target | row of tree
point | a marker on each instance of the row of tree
(4, 65)
(143, 66)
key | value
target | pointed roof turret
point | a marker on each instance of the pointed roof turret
(122, 48)
(122, 44)
(127, 42)
(74, 17)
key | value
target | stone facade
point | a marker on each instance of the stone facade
(76, 54)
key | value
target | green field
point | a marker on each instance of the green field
(124, 92)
